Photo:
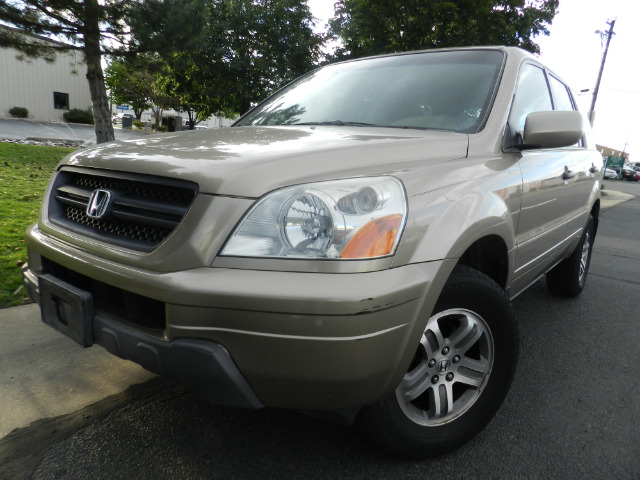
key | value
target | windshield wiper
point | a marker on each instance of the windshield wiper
(339, 123)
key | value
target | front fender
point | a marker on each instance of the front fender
(444, 223)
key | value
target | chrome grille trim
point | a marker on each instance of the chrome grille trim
(144, 211)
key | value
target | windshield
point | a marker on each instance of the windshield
(433, 90)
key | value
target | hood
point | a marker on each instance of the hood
(250, 161)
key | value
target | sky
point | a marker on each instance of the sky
(574, 52)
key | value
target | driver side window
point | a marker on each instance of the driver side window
(532, 95)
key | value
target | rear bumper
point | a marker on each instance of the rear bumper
(307, 341)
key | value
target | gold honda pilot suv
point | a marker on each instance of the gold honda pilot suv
(350, 246)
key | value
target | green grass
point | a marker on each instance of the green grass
(24, 173)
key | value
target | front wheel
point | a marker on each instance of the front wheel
(459, 376)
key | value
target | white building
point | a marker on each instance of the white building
(47, 90)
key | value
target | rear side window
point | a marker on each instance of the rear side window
(561, 96)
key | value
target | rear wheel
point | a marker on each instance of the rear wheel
(459, 376)
(569, 277)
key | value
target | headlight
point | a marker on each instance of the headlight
(355, 218)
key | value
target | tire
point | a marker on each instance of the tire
(569, 277)
(459, 376)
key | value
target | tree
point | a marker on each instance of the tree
(77, 25)
(140, 82)
(267, 44)
(194, 91)
(167, 26)
(246, 50)
(128, 85)
(94, 27)
(371, 27)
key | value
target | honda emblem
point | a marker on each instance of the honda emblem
(98, 203)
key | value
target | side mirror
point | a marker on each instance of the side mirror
(552, 129)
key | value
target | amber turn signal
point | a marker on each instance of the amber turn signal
(375, 239)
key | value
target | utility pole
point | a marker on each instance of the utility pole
(592, 110)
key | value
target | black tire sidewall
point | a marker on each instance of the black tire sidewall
(564, 278)
(591, 231)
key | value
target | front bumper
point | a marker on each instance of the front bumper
(309, 341)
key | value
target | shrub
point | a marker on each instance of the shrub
(76, 115)
(19, 112)
(138, 124)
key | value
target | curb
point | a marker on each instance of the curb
(49, 375)
(610, 198)
(53, 122)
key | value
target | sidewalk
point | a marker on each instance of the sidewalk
(609, 198)
(44, 374)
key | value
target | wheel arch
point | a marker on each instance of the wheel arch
(489, 255)
(484, 247)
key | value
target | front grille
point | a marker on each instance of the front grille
(130, 307)
(143, 212)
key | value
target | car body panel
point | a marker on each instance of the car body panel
(363, 317)
(251, 161)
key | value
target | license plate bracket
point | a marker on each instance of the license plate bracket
(67, 309)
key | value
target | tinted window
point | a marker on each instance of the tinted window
(561, 96)
(439, 90)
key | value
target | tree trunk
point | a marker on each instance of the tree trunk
(95, 76)
(245, 105)
(157, 113)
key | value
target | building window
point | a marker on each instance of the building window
(60, 101)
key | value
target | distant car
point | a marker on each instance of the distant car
(630, 174)
(611, 173)
(118, 118)
(197, 126)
